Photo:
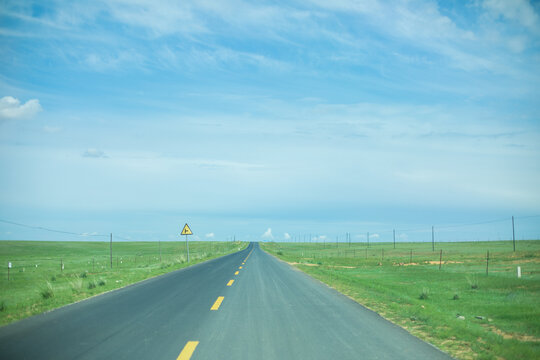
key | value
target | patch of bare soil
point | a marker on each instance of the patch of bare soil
(524, 261)
(342, 266)
(307, 264)
(505, 335)
(405, 264)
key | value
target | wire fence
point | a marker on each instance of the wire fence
(500, 229)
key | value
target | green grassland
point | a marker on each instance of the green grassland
(37, 282)
(459, 308)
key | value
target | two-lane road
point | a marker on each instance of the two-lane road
(246, 305)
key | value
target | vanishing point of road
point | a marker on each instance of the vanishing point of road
(246, 305)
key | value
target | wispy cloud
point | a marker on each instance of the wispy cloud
(520, 11)
(95, 153)
(210, 235)
(116, 61)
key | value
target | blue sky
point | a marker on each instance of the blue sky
(319, 117)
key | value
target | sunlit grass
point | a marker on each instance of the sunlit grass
(38, 283)
(458, 308)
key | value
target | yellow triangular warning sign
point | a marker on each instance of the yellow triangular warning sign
(186, 230)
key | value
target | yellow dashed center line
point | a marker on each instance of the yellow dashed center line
(248, 255)
(217, 303)
(236, 273)
(188, 350)
(230, 282)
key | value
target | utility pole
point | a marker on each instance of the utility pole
(432, 239)
(394, 238)
(368, 239)
(513, 234)
(159, 244)
(111, 250)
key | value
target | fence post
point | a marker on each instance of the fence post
(487, 263)
(110, 251)
(513, 234)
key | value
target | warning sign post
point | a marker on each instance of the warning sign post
(187, 231)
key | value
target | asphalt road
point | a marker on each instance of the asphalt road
(269, 311)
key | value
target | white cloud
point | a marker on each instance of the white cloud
(268, 234)
(517, 10)
(374, 236)
(94, 153)
(286, 236)
(210, 235)
(11, 108)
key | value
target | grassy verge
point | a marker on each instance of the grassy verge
(38, 283)
(458, 307)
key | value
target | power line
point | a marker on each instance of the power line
(442, 227)
(49, 229)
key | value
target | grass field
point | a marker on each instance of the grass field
(37, 282)
(459, 308)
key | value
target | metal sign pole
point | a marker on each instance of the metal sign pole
(187, 248)
(187, 231)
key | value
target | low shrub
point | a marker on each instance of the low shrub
(47, 292)
(76, 285)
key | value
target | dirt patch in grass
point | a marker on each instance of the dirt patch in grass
(405, 264)
(307, 264)
(505, 335)
(523, 261)
(444, 262)
(331, 266)
(342, 266)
